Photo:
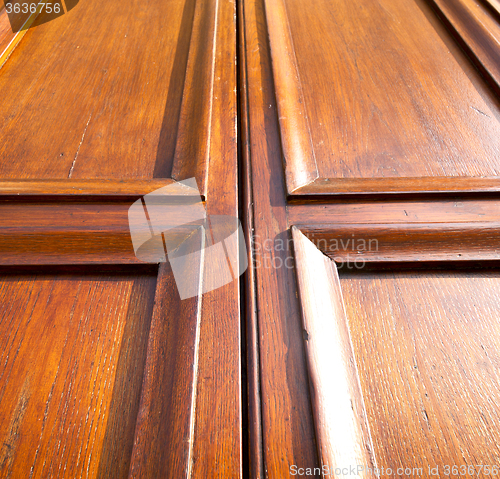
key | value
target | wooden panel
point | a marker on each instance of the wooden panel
(360, 244)
(73, 351)
(288, 436)
(458, 210)
(131, 189)
(340, 418)
(96, 94)
(478, 31)
(9, 39)
(426, 345)
(163, 444)
(362, 96)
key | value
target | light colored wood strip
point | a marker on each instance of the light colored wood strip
(165, 426)
(355, 244)
(495, 4)
(295, 130)
(479, 32)
(91, 187)
(10, 40)
(383, 186)
(342, 428)
(192, 150)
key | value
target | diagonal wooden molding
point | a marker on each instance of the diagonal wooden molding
(342, 430)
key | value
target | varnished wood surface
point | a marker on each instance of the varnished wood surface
(409, 242)
(163, 443)
(73, 348)
(95, 94)
(217, 448)
(396, 186)
(10, 39)
(288, 434)
(377, 102)
(478, 31)
(69, 188)
(428, 361)
(341, 425)
(458, 210)
(253, 424)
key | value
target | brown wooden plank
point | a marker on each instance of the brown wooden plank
(117, 114)
(360, 244)
(426, 345)
(163, 444)
(55, 233)
(459, 210)
(378, 105)
(62, 340)
(253, 418)
(495, 4)
(192, 151)
(287, 422)
(113, 188)
(341, 425)
(217, 449)
(395, 186)
(478, 31)
(9, 39)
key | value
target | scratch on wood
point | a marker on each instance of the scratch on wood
(8, 449)
(79, 146)
(479, 111)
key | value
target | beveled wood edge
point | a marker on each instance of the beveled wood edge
(451, 210)
(254, 416)
(477, 32)
(300, 162)
(397, 186)
(98, 188)
(173, 454)
(359, 244)
(18, 36)
(342, 429)
(192, 149)
(494, 4)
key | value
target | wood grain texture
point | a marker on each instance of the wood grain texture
(165, 425)
(287, 422)
(397, 186)
(192, 151)
(217, 448)
(118, 114)
(8, 38)
(71, 233)
(341, 425)
(96, 188)
(298, 150)
(428, 360)
(478, 31)
(255, 445)
(494, 4)
(458, 210)
(63, 354)
(379, 107)
(360, 244)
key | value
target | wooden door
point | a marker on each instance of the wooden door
(371, 146)
(105, 371)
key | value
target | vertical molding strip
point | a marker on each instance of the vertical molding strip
(192, 150)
